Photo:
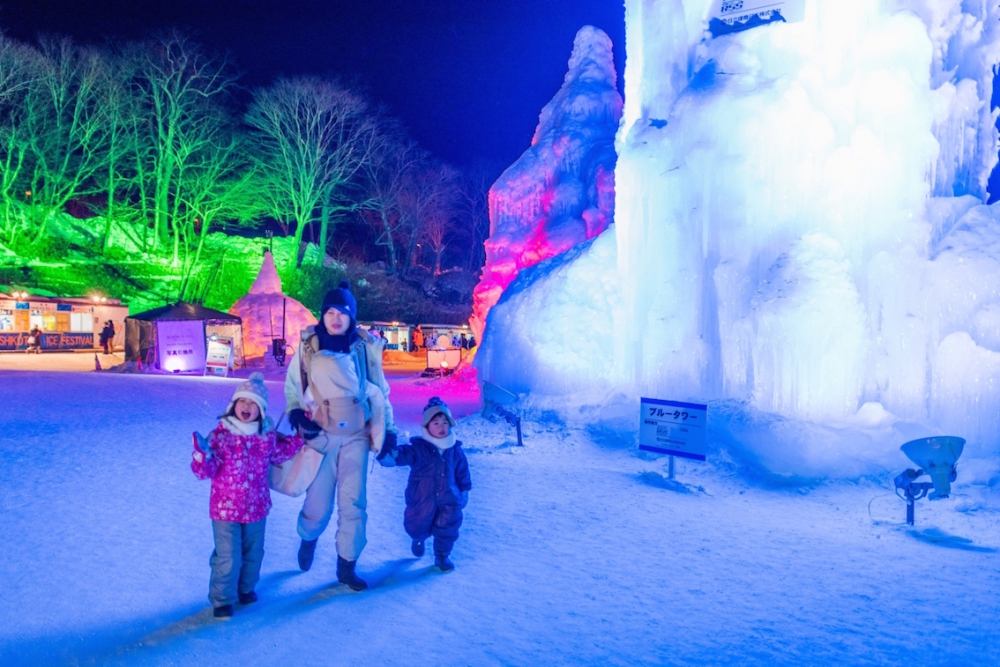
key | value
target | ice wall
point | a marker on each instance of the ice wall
(261, 311)
(560, 192)
(799, 232)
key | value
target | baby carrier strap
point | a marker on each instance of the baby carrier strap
(308, 347)
(359, 354)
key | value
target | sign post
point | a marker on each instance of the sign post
(672, 428)
(219, 356)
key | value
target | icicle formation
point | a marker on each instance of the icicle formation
(560, 192)
(800, 233)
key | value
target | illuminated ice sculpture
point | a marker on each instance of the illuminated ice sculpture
(800, 238)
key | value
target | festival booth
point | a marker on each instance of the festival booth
(397, 335)
(443, 355)
(176, 337)
(66, 323)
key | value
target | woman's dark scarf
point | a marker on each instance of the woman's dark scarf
(341, 343)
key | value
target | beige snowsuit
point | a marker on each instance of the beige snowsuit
(335, 399)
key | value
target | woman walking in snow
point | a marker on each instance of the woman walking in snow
(439, 484)
(335, 386)
(236, 456)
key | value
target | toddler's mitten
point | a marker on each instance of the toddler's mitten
(388, 445)
(387, 456)
(306, 427)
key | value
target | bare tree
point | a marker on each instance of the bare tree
(219, 183)
(312, 137)
(428, 193)
(182, 91)
(18, 66)
(386, 178)
(119, 174)
(474, 213)
(66, 125)
(437, 228)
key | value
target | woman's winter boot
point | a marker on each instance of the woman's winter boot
(346, 575)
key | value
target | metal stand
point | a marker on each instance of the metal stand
(912, 490)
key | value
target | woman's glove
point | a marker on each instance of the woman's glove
(306, 427)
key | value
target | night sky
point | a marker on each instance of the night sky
(468, 77)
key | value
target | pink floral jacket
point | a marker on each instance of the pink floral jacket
(238, 469)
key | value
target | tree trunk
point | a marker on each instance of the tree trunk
(324, 227)
(389, 242)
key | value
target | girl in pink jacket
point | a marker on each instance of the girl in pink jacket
(236, 456)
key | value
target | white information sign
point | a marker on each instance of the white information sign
(180, 345)
(730, 16)
(672, 427)
(219, 358)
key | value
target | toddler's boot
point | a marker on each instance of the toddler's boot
(307, 550)
(346, 575)
(443, 562)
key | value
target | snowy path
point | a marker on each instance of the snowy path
(574, 551)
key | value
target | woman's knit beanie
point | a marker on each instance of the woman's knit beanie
(341, 299)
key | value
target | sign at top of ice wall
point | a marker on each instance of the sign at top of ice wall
(729, 16)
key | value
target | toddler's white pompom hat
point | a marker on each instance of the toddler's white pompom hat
(435, 406)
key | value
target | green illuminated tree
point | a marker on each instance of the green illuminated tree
(18, 64)
(65, 123)
(118, 178)
(312, 139)
(221, 186)
(183, 95)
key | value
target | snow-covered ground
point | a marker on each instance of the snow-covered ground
(576, 550)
